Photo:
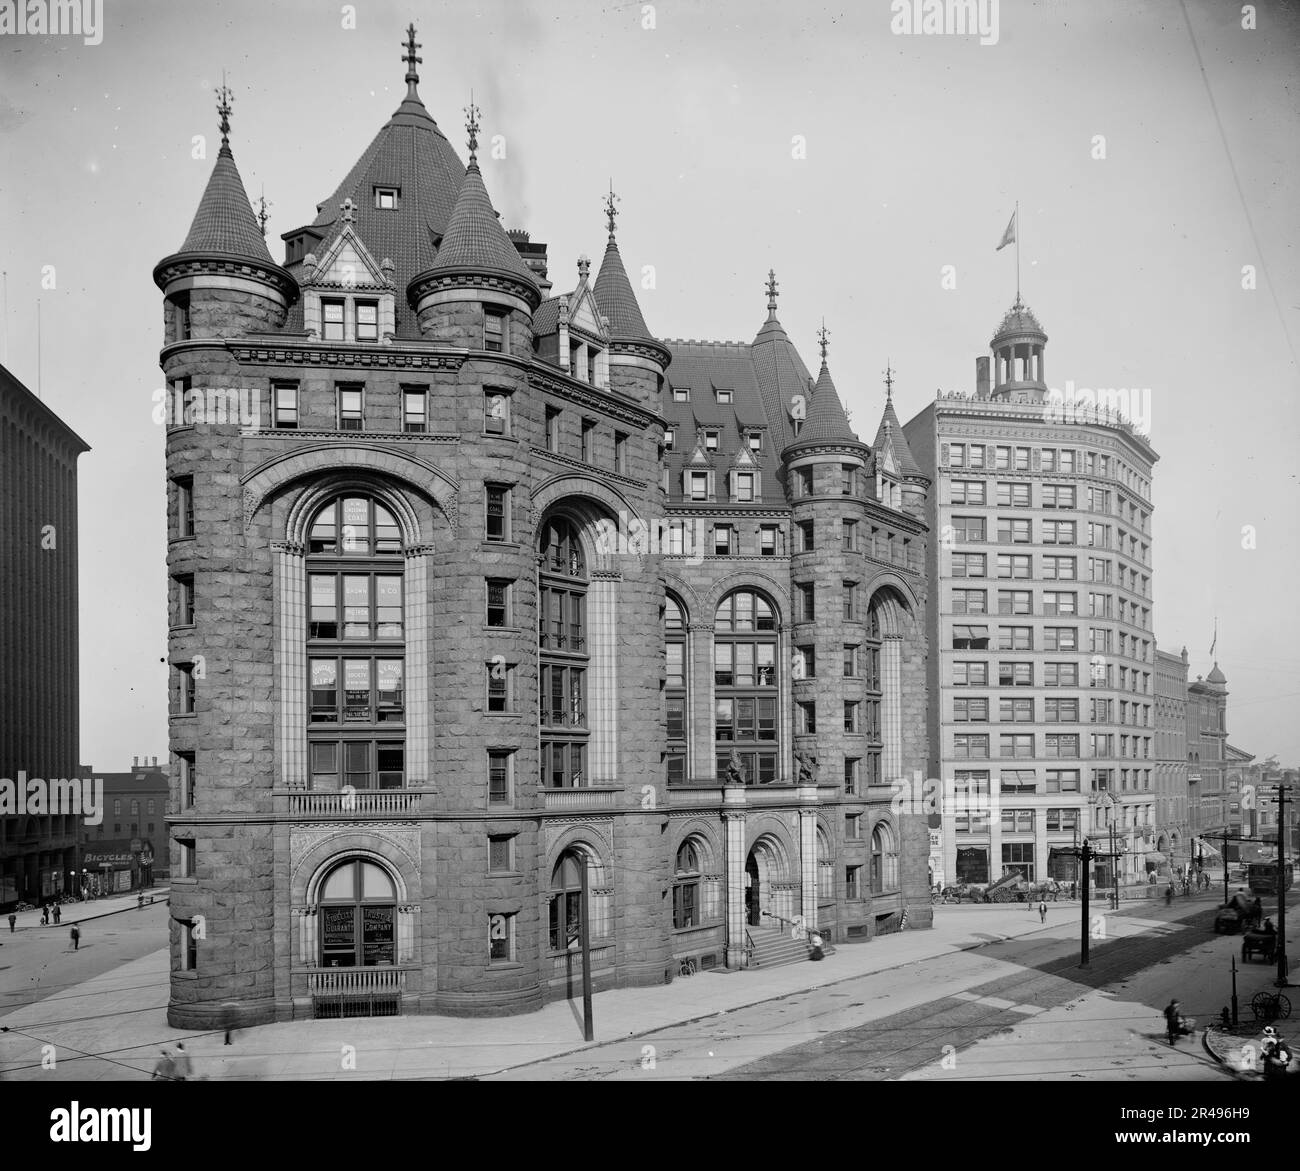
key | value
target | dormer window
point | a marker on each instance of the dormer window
(386, 198)
(724, 396)
(681, 394)
(367, 321)
(331, 320)
(670, 436)
(755, 441)
(744, 487)
(711, 441)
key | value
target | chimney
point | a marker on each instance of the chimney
(982, 376)
(155, 762)
(135, 762)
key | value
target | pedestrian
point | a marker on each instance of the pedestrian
(13, 922)
(183, 1068)
(58, 913)
(815, 953)
(139, 902)
(45, 914)
(76, 938)
(1042, 912)
(1173, 1021)
(1169, 895)
(165, 1068)
(1073, 887)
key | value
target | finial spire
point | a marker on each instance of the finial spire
(771, 293)
(225, 101)
(889, 382)
(412, 78)
(610, 210)
(822, 335)
(472, 127)
(262, 214)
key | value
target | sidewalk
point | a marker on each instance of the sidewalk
(79, 912)
(112, 1027)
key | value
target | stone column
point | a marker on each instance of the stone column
(602, 685)
(415, 589)
(733, 820)
(291, 662)
(807, 798)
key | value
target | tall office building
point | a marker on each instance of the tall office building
(1041, 682)
(39, 686)
(1174, 822)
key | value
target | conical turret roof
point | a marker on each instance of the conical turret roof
(225, 221)
(826, 418)
(615, 299)
(890, 433)
(475, 241)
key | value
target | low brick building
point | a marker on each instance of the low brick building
(444, 646)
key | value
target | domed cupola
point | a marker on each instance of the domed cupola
(1018, 354)
(478, 269)
(222, 282)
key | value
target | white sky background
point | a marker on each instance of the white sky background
(917, 149)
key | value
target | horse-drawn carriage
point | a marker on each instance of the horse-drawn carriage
(1258, 943)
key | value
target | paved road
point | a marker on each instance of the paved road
(928, 1014)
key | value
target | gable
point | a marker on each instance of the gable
(585, 314)
(347, 263)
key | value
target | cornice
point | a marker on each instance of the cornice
(642, 348)
(309, 353)
(429, 281)
(182, 264)
(563, 386)
(593, 473)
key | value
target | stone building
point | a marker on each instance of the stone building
(128, 849)
(444, 667)
(1174, 836)
(1207, 756)
(1040, 684)
(39, 709)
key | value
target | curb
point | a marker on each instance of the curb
(162, 896)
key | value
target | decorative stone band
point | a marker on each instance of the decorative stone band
(293, 548)
(361, 355)
(654, 355)
(188, 269)
(425, 287)
(553, 382)
(606, 575)
(417, 550)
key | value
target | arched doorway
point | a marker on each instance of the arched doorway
(752, 911)
(770, 896)
(358, 913)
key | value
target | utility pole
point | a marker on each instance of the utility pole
(1282, 967)
(1085, 855)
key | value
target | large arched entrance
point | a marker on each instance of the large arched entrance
(769, 894)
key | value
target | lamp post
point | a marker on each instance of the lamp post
(1085, 855)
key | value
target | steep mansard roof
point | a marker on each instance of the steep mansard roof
(224, 221)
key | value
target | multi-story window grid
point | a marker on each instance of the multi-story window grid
(1015, 601)
(1013, 531)
(675, 691)
(1018, 780)
(970, 601)
(1058, 532)
(1014, 565)
(970, 565)
(1060, 638)
(968, 492)
(1058, 495)
(970, 711)
(967, 529)
(872, 688)
(356, 656)
(745, 686)
(562, 639)
(1015, 638)
(1013, 495)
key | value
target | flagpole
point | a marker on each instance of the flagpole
(1017, 252)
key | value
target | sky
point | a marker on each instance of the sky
(1151, 148)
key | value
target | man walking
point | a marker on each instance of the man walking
(76, 938)
(13, 922)
(58, 913)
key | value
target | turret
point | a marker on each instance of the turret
(637, 361)
(222, 282)
(478, 293)
(900, 483)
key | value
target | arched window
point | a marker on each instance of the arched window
(884, 860)
(675, 689)
(873, 693)
(562, 640)
(745, 687)
(358, 913)
(686, 886)
(825, 868)
(566, 901)
(356, 713)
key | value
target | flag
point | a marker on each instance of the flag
(1009, 236)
